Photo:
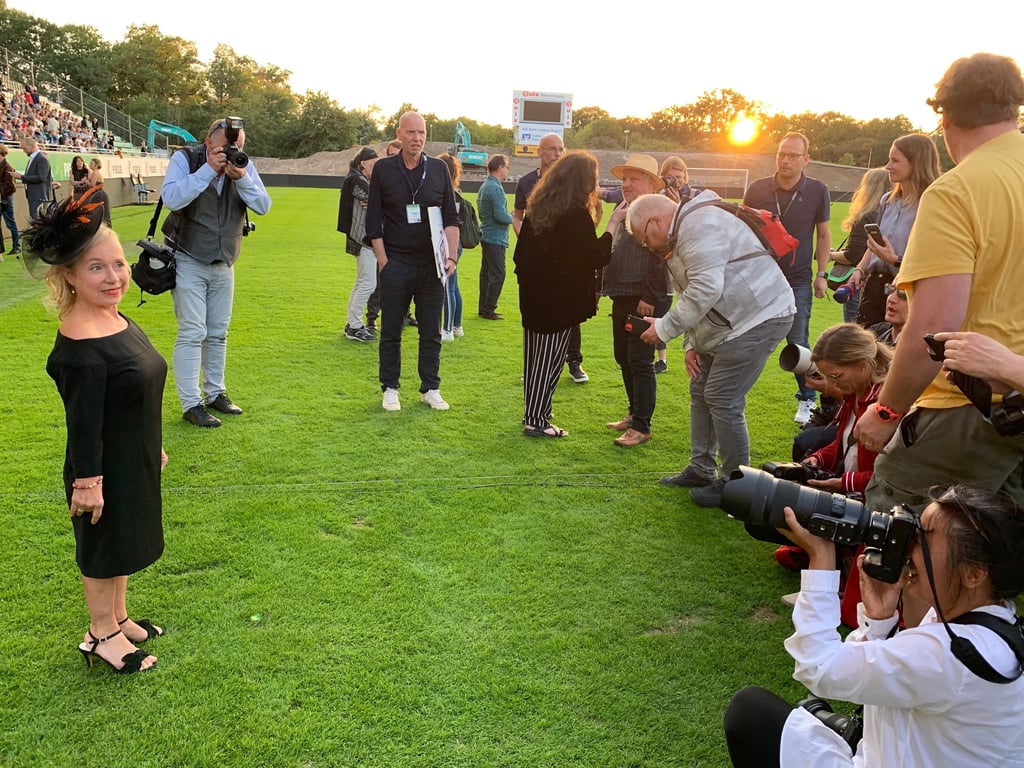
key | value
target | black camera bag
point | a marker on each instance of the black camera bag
(154, 272)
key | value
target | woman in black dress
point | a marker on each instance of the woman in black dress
(557, 257)
(95, 179)
(111, 380)
(79, 176)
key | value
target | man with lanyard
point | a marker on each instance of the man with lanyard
(550, 150)
(802, 204)
(402, 190)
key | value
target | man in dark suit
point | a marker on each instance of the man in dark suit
(37, 178)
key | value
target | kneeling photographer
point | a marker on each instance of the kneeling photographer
(948, 692)
(854, 363)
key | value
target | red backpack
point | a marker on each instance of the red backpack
(765, 224)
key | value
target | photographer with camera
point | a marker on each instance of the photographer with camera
(209, 189)
(854, 363)
(927, 700)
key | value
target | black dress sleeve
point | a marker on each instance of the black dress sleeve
(83, 391)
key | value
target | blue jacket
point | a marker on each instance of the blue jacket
(492, 205)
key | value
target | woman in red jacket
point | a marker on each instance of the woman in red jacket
(855, 363)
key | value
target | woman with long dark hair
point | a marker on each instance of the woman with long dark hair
(79, 176)
(557, 257)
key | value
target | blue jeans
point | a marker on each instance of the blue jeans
(203, 295)
(803, 296)
(718, 397)
(452, 314)
(400, 283)
(12, 225)
(636, 362)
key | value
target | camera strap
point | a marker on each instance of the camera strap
(963, 649)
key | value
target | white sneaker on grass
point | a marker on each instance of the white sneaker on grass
(803, 411)
(447, 336)
(458, 332)
(433, 398)
(391, 400)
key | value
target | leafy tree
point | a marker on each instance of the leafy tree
(584, 116)
(150, 69)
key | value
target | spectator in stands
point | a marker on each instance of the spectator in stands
(913, 166)
(803, 205)
(7, 191)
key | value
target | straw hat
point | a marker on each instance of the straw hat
(646, 164)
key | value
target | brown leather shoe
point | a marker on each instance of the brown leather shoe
(632, 437)
(621, 425)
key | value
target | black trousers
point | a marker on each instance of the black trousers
(636, 361)
(492, 277)
(753, 727)
(401, 283)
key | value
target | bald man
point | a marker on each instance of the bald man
(402, 188)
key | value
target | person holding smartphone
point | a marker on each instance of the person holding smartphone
(913, 165)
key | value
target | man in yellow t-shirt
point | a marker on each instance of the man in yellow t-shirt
(963, 270)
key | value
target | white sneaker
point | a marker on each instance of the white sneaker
(433, 398)
(803, 411)
(457, 330)
(391, 400)
(447, 336)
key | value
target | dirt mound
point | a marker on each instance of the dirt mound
(838, 178)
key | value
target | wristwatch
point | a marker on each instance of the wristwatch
(885, 413)
(822, 274)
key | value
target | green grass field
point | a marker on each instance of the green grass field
(348, 587)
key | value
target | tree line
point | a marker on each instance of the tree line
(148, 74)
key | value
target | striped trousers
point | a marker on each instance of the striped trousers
(543, 360)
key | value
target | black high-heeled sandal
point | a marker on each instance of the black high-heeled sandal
(132, 661)
(151, 629)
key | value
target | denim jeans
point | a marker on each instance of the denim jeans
(12, 225)
(803, 296)
(203, 295)
(400, 283)
(718, 397)
(366, 282)
(492, 277)
(452, 314)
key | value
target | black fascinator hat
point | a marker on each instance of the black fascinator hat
(60, 232)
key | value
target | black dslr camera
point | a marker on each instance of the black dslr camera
(670, 181)
(759, 500)
(850, 729)
(235, 156)
(796, 472)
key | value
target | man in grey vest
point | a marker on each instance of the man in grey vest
(208, 195)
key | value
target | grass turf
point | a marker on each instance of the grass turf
(348, 587)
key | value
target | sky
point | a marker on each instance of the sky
(865, 59)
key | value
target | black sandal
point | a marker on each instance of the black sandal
(151, 629)
(549, 431)
(132, 662)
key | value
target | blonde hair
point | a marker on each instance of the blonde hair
(849, 344)
(62, 293)
(873, 184)
(674, 163)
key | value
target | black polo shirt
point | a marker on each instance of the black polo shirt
(393, 187)
(801, 209)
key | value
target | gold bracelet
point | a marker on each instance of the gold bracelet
(99, 481)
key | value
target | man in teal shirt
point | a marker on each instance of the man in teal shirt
(494, 222)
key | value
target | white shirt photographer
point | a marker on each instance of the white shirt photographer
(923, 707)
